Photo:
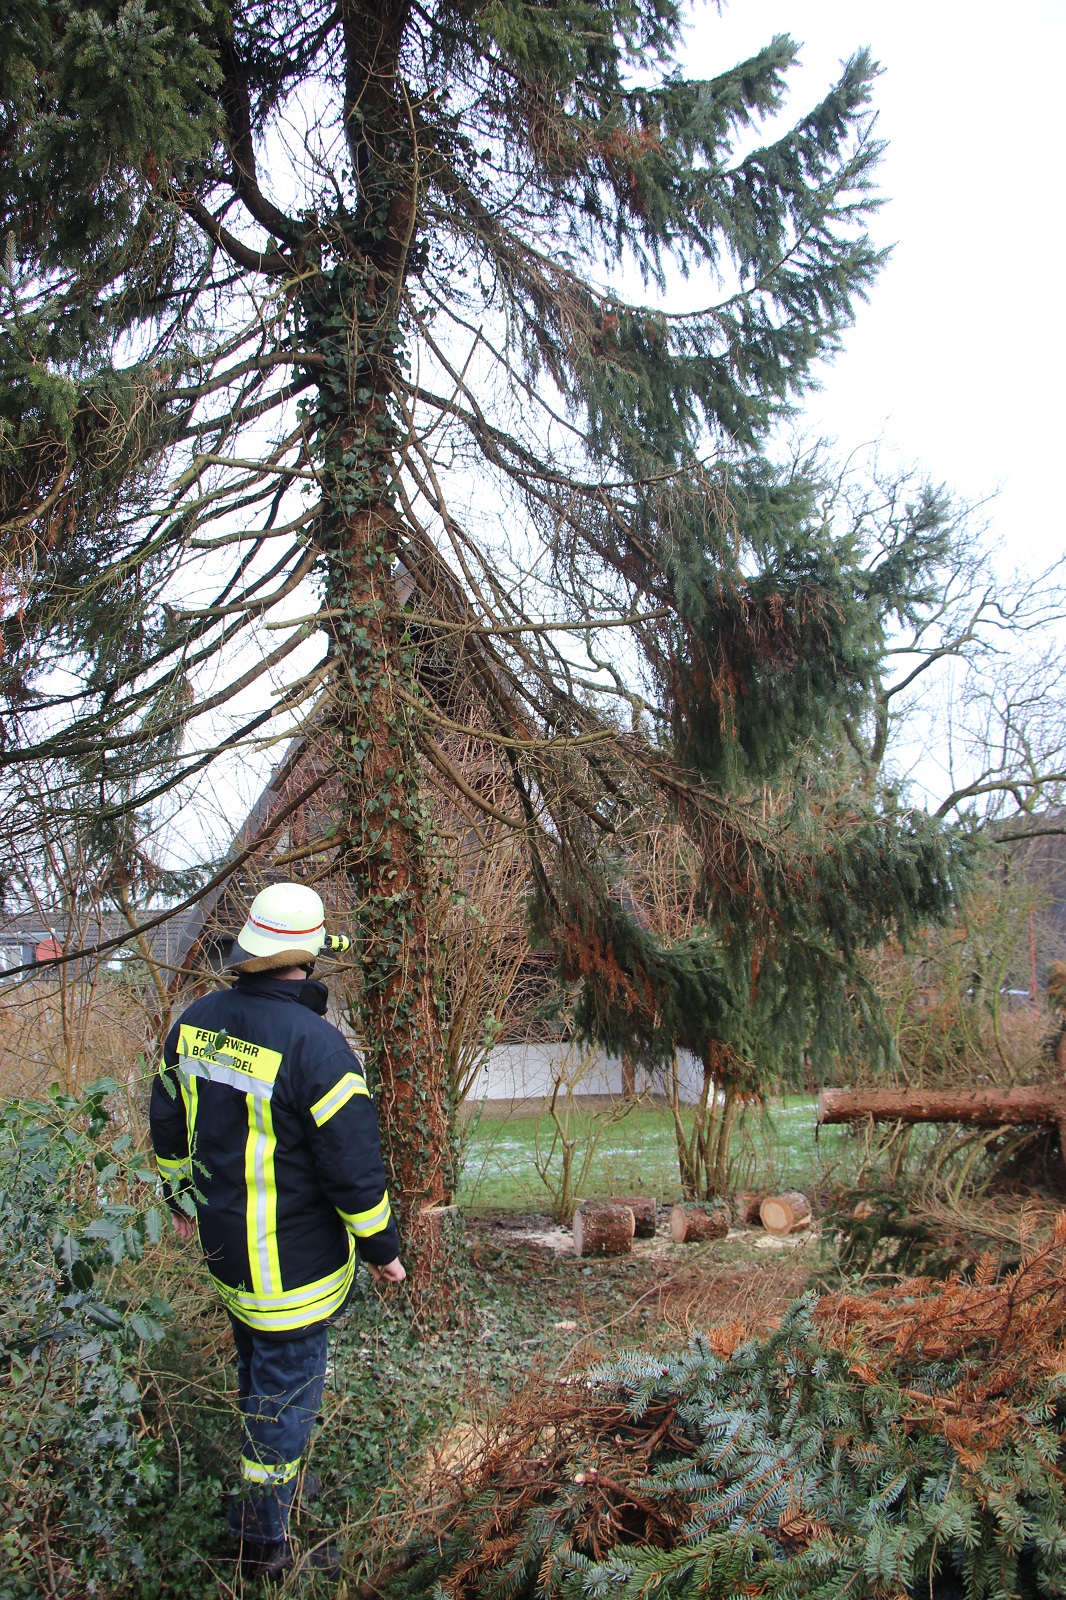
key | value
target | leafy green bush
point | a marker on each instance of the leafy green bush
(76, 1204)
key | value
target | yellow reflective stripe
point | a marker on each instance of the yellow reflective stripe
(261, 1214)
(291, 1308)
(191, 1099)
(342, 1091)
(256, 1472)
(364, 1223)
(174, 1169)
(272, 1201)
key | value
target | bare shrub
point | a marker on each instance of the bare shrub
(565, 1149)
(960, 1002)
(72, 1030)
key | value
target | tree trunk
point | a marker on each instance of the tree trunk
(603, 1230)
(785, 1213)
(983, 1108)
(645, 1212)
(351, 319)
(718, 1176)
(693, 1224)
(433, 1239)
(685, 1142)
(378, 762)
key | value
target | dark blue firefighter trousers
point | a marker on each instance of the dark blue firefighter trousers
(279, 1383)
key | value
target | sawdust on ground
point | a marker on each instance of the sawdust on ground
(751, 1277)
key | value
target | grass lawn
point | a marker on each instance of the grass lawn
(773, 1147)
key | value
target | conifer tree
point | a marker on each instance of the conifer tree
(366, 302)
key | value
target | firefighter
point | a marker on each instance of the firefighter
(265, 1134)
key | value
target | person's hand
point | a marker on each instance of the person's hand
(392, 1272)
(184, 1226)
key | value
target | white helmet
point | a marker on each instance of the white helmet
(285, 928)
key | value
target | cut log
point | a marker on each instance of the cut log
(746, 1205)
(693, 1223)
(785, 1213)
(984, 1108)
(645, 1212)
(603, 1229)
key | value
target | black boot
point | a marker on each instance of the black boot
(322, 1558)
(271, 1561)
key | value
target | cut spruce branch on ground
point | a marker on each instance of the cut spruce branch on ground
(901, 1441)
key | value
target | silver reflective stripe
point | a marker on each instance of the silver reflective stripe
(216, 1073)
(334, 1099)
(258, 1113)
(289, 1299)
(365, 1223)
(290, 1309)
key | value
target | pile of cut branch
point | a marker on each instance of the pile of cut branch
(874, 1445)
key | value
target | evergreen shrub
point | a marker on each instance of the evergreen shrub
(76, 1204)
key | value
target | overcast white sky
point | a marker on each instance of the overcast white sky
(957, 361)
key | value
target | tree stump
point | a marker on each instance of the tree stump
(603, 1229)
(433, 1240)
(785, 1213)
(692, 1223)
(645, 1211)
(746, 1205)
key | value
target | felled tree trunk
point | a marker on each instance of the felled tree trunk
(603, 1230)
(645, 1211)
(785, 1213)
(693, 1224)
(984, 1108)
